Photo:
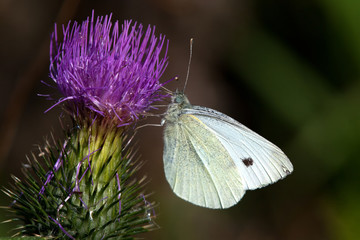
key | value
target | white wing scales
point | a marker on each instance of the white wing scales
(192, 156)
(211, 160)
(268, 162)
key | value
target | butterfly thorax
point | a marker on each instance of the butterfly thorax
(178, 102)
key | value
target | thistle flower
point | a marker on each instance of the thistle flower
(109, 79)
(109, 73)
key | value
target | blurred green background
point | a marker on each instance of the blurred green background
(289, 70)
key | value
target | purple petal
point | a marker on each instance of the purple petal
(111, 72)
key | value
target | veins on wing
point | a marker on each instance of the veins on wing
(201, 160)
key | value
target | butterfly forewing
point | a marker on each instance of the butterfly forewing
(259, 161)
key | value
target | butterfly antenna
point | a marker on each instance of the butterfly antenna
(188, 69)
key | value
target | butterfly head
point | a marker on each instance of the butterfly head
(178, 102)
(180, 99)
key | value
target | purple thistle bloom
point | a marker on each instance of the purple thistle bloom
(115, 74)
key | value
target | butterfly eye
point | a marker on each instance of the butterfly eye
(179, 99)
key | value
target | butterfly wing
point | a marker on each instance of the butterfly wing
(198, 167)
(259, 161)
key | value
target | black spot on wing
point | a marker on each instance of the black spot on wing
(248, 162)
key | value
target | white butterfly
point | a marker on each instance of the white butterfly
(211, 159)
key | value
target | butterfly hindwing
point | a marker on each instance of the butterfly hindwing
(197, 166)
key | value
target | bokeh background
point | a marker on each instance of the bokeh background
(287, 69)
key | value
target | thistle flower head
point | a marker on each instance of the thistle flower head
(108, 72)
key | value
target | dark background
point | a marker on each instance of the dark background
(287, 69)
